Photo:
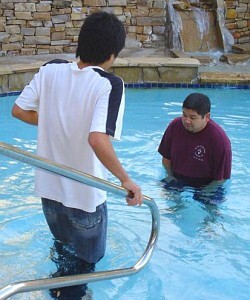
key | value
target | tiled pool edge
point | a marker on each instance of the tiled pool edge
(10, 94)
(187, 85)
(164, 85)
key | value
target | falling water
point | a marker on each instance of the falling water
(176, 26)
(202, 21)
(195, 29)
(227, 37)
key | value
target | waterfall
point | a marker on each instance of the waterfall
(176, 26)
(202, 21)
(199, 29)
(228, 39)
(181, 20)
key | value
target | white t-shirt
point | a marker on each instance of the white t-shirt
(72, 103)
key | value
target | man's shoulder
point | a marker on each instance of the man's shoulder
(177, 119)
(217, 131)
(175, 126)
(176, 122)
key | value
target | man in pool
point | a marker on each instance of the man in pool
(79, 108)
(195, 150)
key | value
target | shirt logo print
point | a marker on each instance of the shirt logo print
(199, 152)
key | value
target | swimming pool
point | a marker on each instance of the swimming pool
(203, 250)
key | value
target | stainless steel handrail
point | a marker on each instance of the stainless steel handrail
(48, 283)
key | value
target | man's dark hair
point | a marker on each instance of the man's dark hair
(198, 102)
(102, 34)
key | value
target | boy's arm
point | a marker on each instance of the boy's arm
(27, 116)
(103, 148)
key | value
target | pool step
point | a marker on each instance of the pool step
(225, 78)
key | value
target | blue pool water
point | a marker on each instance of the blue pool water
(203, 251)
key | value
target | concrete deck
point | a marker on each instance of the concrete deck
(143, 66)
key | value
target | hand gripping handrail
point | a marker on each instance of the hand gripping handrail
(48, 283)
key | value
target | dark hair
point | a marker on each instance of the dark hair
(198, 102)
(102, 34)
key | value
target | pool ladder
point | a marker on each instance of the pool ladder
(49, 283)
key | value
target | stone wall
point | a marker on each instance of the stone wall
(43, 26)
(52, 26)
(237, 20)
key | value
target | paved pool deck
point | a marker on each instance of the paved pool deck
(143, 66)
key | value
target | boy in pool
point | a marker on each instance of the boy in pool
(195, 150)
(78, 108)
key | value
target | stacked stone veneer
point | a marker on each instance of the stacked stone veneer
(237, 20)
(43, 26)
